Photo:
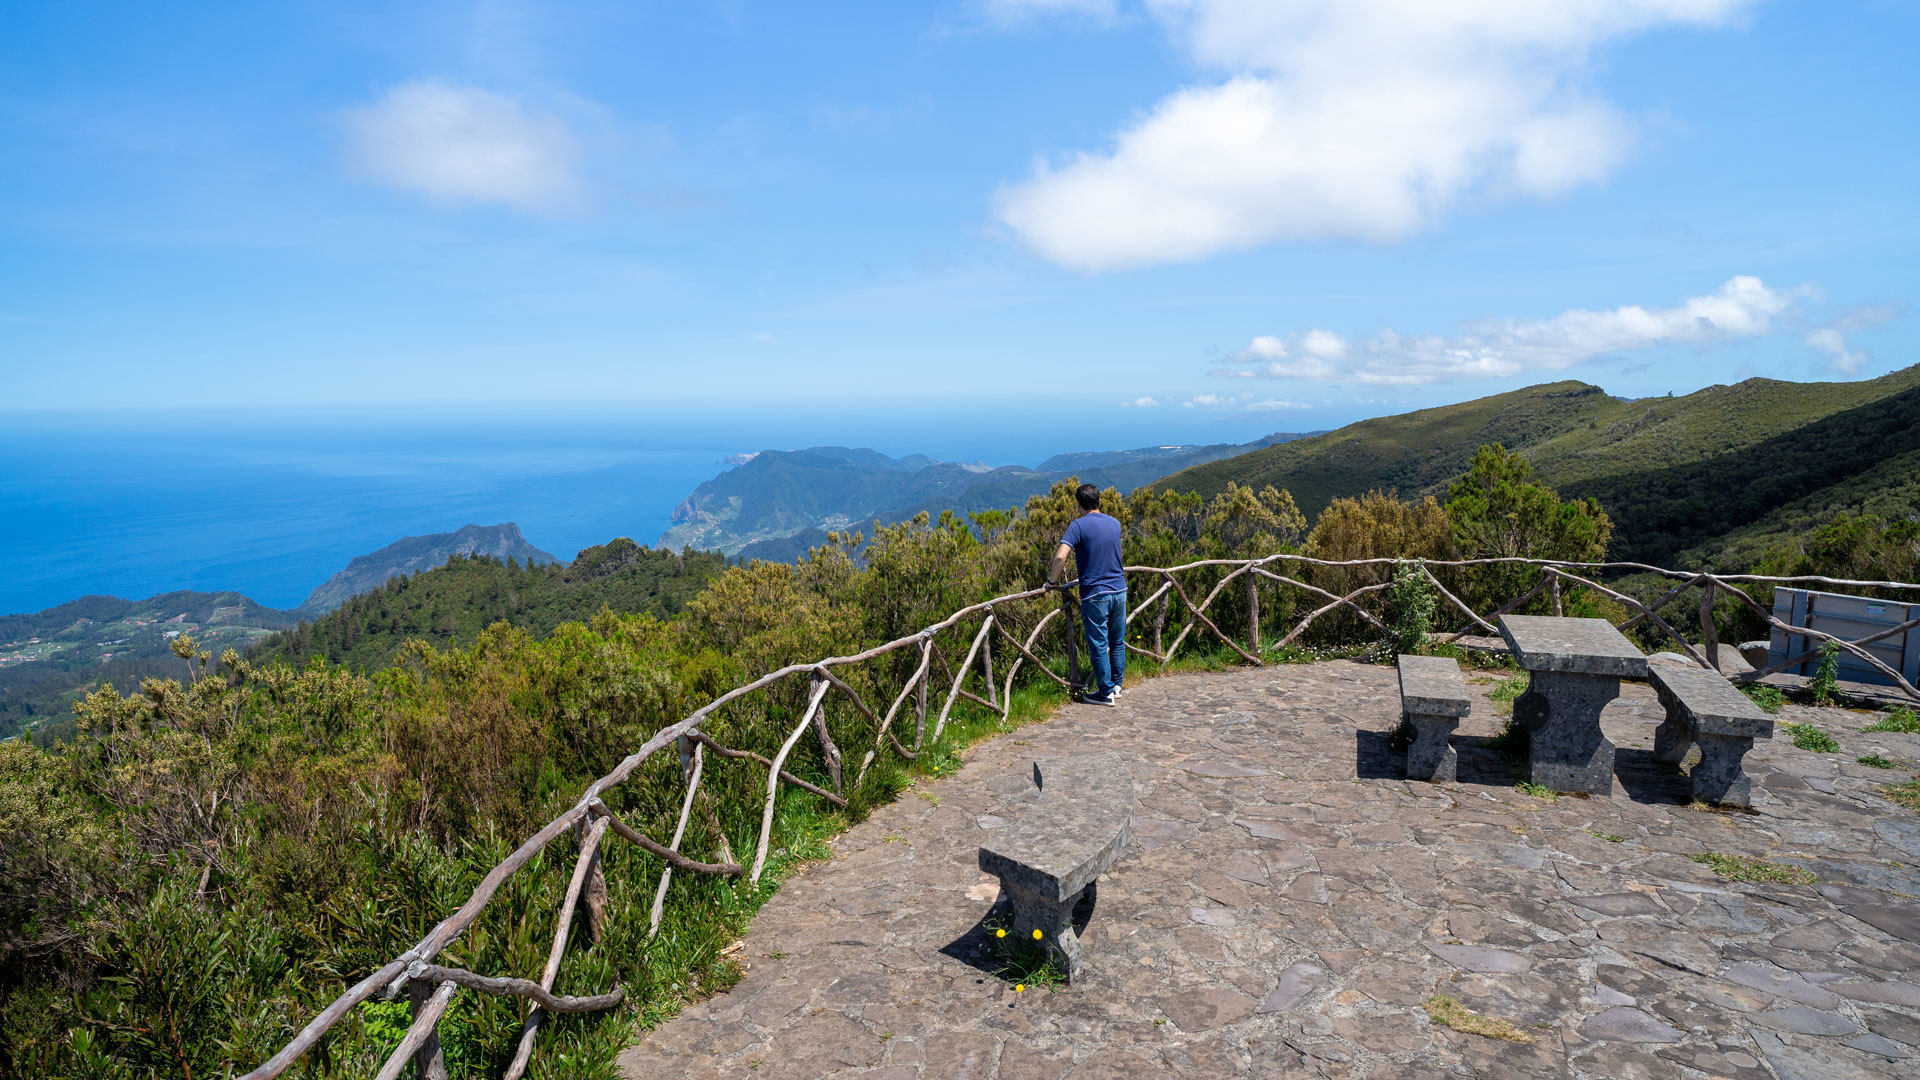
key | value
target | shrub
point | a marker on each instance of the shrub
(1808, 737)
(1897, 718)
(1769, 698)
(1409, 608)
(1826, 676)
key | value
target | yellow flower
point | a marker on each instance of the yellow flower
(999, 933)
(1019, 988)
(1036, 935)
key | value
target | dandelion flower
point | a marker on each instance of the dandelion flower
(1036, 935)
(1000, 933)
(1019, 988)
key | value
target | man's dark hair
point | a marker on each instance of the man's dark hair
(1088, 497)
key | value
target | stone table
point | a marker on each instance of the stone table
(1576, 667)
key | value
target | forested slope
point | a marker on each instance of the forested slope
(1730, 471)
(455, 602)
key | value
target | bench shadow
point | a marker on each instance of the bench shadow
(1374, 758)
(1479, 763)
(975, 946)
(1650, 781)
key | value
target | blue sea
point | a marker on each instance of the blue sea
(133, 505)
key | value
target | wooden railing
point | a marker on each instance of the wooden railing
(432, 986)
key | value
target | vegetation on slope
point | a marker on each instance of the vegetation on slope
(49, 658)
(1666, 510)
(1731, 472)
(416, 553)
(458, 600)
(1415, 453)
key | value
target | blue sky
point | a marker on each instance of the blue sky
(1185, 218)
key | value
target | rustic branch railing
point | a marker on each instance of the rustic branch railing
(431, 986)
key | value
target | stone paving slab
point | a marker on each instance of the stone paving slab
(1289, 901)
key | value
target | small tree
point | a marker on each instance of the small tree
(1498, 510)
(1409, 608)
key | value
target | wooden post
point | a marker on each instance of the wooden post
(594, 894)
(1160, 622)
(429, 1062)
(1709, 637)
(827, 748)
(986, 657)
(1558, 612)
(1072, 613)
(920, 700)
(1253, 610)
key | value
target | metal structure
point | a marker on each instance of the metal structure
(1869, 619)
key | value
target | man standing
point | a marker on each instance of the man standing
(1094, 540)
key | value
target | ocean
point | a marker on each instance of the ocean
(271, 512)
(133, 505)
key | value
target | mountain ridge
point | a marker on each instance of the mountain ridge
(777, 503)
(412, 554)
(1661, 467)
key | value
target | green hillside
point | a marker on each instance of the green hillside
(456, 601)
(49, 658)
(1727, 470)
(416, 553)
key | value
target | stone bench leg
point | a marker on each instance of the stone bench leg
(1720, 776)
(1054, 920)
(1432, 756)
(1672, 739)
(1561, 714)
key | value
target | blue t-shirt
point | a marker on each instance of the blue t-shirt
(1095, 539)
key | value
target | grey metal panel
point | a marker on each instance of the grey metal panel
(1778, 644)
(1852, 618)
(1798, 617)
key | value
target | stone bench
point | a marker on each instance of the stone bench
(1049, 859)
(1433, 698)
(1704, 708)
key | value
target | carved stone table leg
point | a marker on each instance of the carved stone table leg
(1566, 750)
(1720, 775)
(1054, 920)
(1432, 756)
(1672, 739)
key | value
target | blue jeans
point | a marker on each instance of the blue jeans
(1105, 619)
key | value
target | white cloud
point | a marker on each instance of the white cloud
(460, 144)
(1743, 307)
(1834, 344)
(1323, 345)
(1275, 405)
(1341, 118)
(1142, 403)
(1832, 338)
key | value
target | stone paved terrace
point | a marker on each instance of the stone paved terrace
(1290, 901)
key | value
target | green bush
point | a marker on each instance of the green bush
(1808, 737)
(1896, 718)
(1826, 676)
(1409, 609)
(1769, 698)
